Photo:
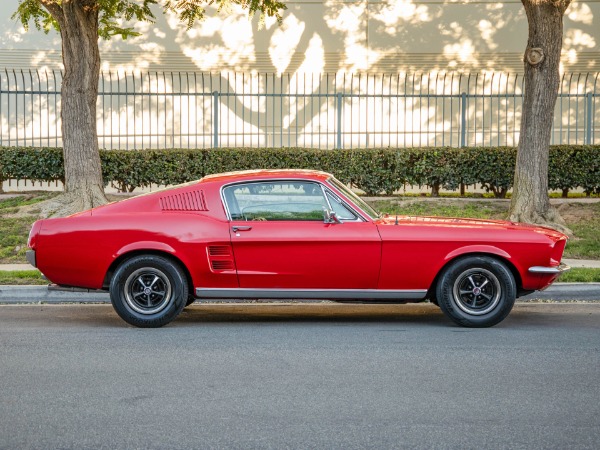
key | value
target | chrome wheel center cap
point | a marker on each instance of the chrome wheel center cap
(476, 291)
(147, 291)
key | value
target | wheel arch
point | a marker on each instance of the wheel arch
(139, 252)
(456, 257)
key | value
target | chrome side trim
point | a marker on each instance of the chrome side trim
(322, 294)
(550, 270)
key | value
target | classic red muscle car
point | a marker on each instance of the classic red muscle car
(289, 234)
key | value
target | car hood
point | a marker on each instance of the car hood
(456, 222)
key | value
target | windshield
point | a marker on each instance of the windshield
(355, 198)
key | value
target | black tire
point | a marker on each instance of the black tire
(476, 291)
(148, 291)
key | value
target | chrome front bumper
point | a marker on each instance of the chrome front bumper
(561, 268)
(30, 255)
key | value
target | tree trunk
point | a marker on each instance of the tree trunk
(84, 187)
(530, 202)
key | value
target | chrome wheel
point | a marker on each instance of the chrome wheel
(477, 291)
(147, 290)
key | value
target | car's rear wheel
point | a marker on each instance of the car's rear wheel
(476, 291)
(148, 291)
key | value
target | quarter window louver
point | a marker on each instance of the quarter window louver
(186, 201)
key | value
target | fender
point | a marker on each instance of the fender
(144, 245)
(490, 249)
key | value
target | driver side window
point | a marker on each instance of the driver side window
(275, 200)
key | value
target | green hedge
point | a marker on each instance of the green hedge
(375, 171)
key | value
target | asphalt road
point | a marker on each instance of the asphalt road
(299, 376)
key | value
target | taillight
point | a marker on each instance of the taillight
(33, 234)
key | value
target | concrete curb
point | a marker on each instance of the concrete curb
(41, 294)
(588, 292)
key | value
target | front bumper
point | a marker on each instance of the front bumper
(30, 255)
(555, 270)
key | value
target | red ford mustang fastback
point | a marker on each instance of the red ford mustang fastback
(289, 234)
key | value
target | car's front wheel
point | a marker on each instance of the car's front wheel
(476, 291)
(148, 291)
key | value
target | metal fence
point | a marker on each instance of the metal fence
(199, 110)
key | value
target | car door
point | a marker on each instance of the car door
(281, 241)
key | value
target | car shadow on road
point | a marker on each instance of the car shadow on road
(311, 312)
(104, 316)
(524, 315)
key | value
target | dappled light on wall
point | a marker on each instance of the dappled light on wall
(284, 42)
(328, 36)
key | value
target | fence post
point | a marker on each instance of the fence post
(340, 105)
(588, 114)
(463, 119)
(215, 119)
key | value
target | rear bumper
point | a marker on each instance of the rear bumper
(30, 255)
(555, 270)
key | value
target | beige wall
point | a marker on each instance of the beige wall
(329, 36)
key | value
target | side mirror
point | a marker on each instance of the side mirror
(330, 216)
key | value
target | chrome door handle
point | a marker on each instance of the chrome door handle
(237, 228)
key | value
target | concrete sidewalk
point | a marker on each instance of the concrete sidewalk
(586, 263)
(16, 267)
(589, 263)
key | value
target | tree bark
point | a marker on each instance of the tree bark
(84, 187)
(530, 202)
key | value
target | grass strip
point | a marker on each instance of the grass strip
(580, 275)
(21, 277)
